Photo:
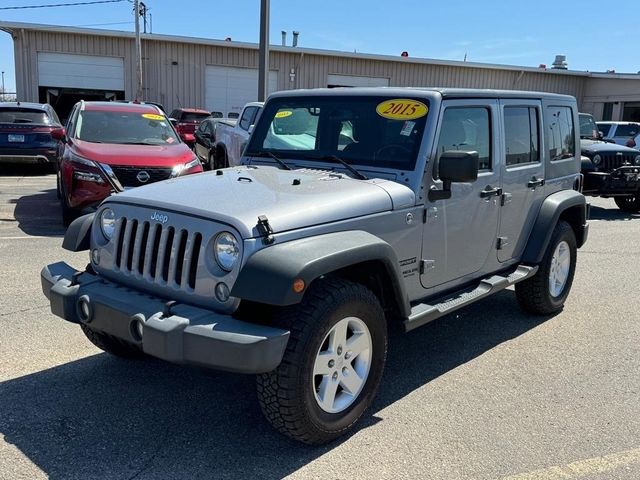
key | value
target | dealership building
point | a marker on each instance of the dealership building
(61, 65)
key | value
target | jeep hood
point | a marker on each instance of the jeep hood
(597, 146)
(289, 199)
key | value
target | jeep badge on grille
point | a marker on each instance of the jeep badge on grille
(159, 217)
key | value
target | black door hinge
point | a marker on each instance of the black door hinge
(265, 230)
(501, 243)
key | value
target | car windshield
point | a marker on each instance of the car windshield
(628, 130)
(361, 130)
(124, 128)
(23, 115)
(588, 128)
(193, 117)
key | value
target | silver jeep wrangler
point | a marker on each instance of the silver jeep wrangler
(352, 209)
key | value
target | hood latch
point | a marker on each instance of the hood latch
(265, 230)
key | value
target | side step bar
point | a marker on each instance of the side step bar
(425, 313)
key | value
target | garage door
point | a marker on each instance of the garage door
(80, 71)
(229, 88)
(356, 81)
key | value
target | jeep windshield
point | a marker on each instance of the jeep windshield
(370, 131)
(588, 127)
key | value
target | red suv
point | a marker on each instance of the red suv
(109, 147)
(186, 120)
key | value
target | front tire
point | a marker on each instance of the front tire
(546, 292)
(630, 203)
(332, 366)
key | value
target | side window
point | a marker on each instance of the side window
(467, 129)
(521, 135)
(247, 117)
(561, 133)
(71, 121)
(175, 114)
(202, 127)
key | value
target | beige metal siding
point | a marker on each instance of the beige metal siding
(174, 71)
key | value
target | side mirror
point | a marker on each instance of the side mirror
(174, 122)
(59, 134)
(454, 167)
(188, 137)
(600, 135)
(250, 129)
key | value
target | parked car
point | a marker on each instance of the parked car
(186, 120)
(110, 147)
(623, 133)
(205, 142)
(232, 136)
(293, 265)
(610, 170)
(27, 133)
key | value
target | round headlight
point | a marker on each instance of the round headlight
(637, 160)
(226, 250)
(107, 223)
(596, 159)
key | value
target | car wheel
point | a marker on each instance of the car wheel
(630, 203)
(220, 159)
(69, 214)
(111, 344)
(332, 366)
(546, 292)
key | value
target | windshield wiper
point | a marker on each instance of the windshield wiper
(335, 158)
(272, 155)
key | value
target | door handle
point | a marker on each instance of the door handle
(535, 182)
(490, 191)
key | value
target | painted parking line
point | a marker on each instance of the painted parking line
(583, 468)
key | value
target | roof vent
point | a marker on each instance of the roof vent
(560, 63)
(295, 39)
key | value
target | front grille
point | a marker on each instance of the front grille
(611, 161)
(161, 255)
(128, 176)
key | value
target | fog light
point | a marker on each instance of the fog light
(136, 327)
(95, 256)
(222, 292)
(84, 310)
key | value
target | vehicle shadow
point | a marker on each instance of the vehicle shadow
(30, 170)
(611, 214)
(103, 417)
(39, 214)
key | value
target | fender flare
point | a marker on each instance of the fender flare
(268, 275)
(78, 236)
(550, 212)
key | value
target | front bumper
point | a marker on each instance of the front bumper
(621, 181)
(183, 334)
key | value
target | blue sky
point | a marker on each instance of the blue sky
(595, 36)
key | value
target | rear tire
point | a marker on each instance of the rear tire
(630, 203)
(332, 366)
(546, 292)
(111, 344)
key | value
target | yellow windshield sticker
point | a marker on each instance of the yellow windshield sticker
(284, 113)
(152, 116)
(401, 109)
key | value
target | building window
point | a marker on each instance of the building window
(607, 111)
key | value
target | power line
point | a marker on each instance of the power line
(61, 4)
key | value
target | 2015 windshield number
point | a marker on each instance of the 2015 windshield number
(397, 108)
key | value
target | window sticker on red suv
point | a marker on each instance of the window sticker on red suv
(153, 116)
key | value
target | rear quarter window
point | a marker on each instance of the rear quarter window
(561, 133)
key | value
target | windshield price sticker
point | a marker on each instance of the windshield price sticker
(401, 109)
(284, 113)
(152, 116)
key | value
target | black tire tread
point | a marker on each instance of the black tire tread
(277, 395)
(627, 204)
(533, 294)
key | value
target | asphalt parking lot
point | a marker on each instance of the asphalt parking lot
(487, 393)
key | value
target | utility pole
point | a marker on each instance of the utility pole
(263, 60)
(136, 13)
(3, 92)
